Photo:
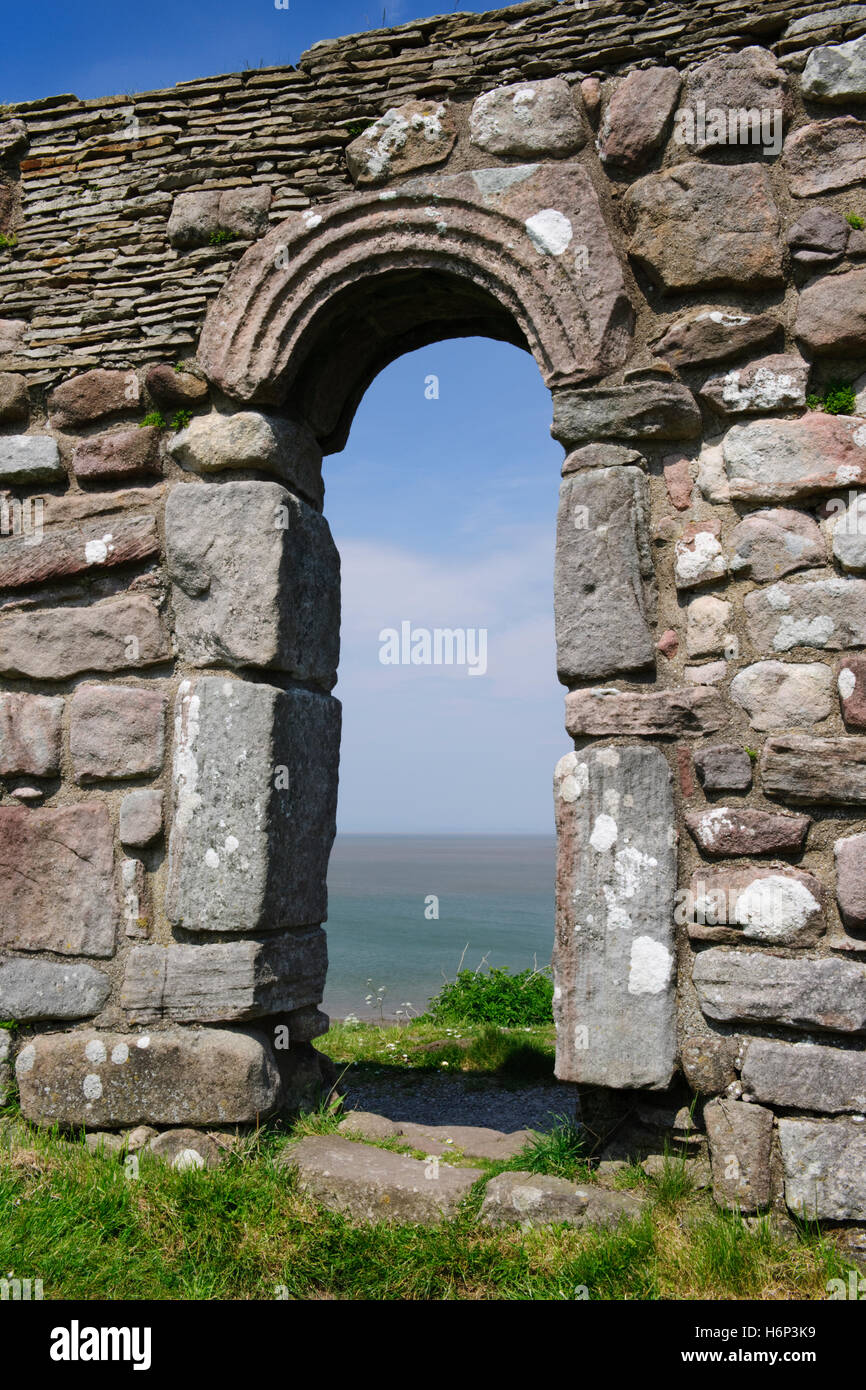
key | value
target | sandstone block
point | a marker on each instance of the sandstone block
(195, 217)
(819, 237)
(254, 787)
(741, 830)
(121, 454)
(614, 953)
(140, 817)
(14, 400)
(534, 1199)
(850, 855)
(836, 73)
(603, 629)
(697, 226)
(177, 389)
(824, 156)
(715, 336)
(708, 1063)
(256, 579)
(783, 460)
(637, 116)
(851, 684)
(601, 713)
(771, 383)
(49, 858)
(831, 318)
(115, 634)
(770, 544)
(116, 731)
(815, 769)
(30, 728)
(698, 556)
(770, 905)
(707, 625)
(724, 767)
(747, 80)
(784, 695)
(56, 537)
(91, 396)
(179, 1077)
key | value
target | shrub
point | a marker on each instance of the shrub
(181, 419)
(840, 399)
(495, 997)
(154, 419)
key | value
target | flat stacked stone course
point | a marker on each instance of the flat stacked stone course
(173, 366)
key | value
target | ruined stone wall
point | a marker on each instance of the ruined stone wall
(195, 289)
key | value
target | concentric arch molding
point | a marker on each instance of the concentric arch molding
(316, 309)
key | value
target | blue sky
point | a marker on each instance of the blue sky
(443, 508)
(103, 47)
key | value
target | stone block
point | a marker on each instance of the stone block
(226, 984)
(413, 136)
(532, 120)
(831, 319)
(784, 695)
(770, 544)
(14, 400)
(181, 1077)
(723, 767)
(698, 555)
(637, 117)
(645, 410)
(836, 73)
(740, 1138)
(614, 953)
(534, 1199)
(601, 456)
(825, 613)
(715, 335)
(36, 989)
(848, 530)
(178, 389)
(750, 987)
(30, 728)
(604, 583)
(745, 81)
(216, 443)
(195, 217)
(254, 789)
(136, 903)
(57, 889)
(744, 830)
(825, 156)
(770, 906)
(825, 1168)
(140, 817)
(116, 731)
(92, 396)
(818, 237)
(116, 634)
(851, 685)
(708, 625)
(78, 533)
(256, 579)
(372, 1185)
(606, 713)
(815, 769)
(708, 1063)
(786, 460)
(121, 454)
(769, 384)
(30, 458)
(698, 226)
(850, 854)
(183, 1149)
(805, 1076)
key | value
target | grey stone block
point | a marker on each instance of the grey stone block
(825, 1168)
(256, 579)
(534, 1199)
(35, 989)
(180, 1077)
(805, 1076)
(740, 1138)
(734, 986)
(226, 984)
(29, 458)
(255, 791)
(614, 954)
(604, 589)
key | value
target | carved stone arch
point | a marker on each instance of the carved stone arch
(329, 297)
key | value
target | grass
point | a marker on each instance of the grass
(839, 399)
(511, 1054)
(244, 1231)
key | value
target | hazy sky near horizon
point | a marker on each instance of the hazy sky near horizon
(97, 48)
(443, 509)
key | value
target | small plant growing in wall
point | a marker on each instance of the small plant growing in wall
(356, 128)
(221, 236)
(181, 419)
(839, 398)
(8, 243)
(154, 420)
(855, 220)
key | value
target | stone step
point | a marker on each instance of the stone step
(472, 1141)
(536, 1200)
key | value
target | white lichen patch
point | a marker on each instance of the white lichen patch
(95, 1051)
(211, 858)
(96, 552)
(650, 967)
(803, 632)
(701, 558)
(847, 683)
(92, 1086)
(604, 834)
(550, 232)
(775, 907)
(120, 1054)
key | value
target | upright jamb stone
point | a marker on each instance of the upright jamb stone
(604, 589)
(614, 961)
(255, 793)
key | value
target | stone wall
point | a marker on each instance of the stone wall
(196, 288)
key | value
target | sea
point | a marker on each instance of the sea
(406, 910)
